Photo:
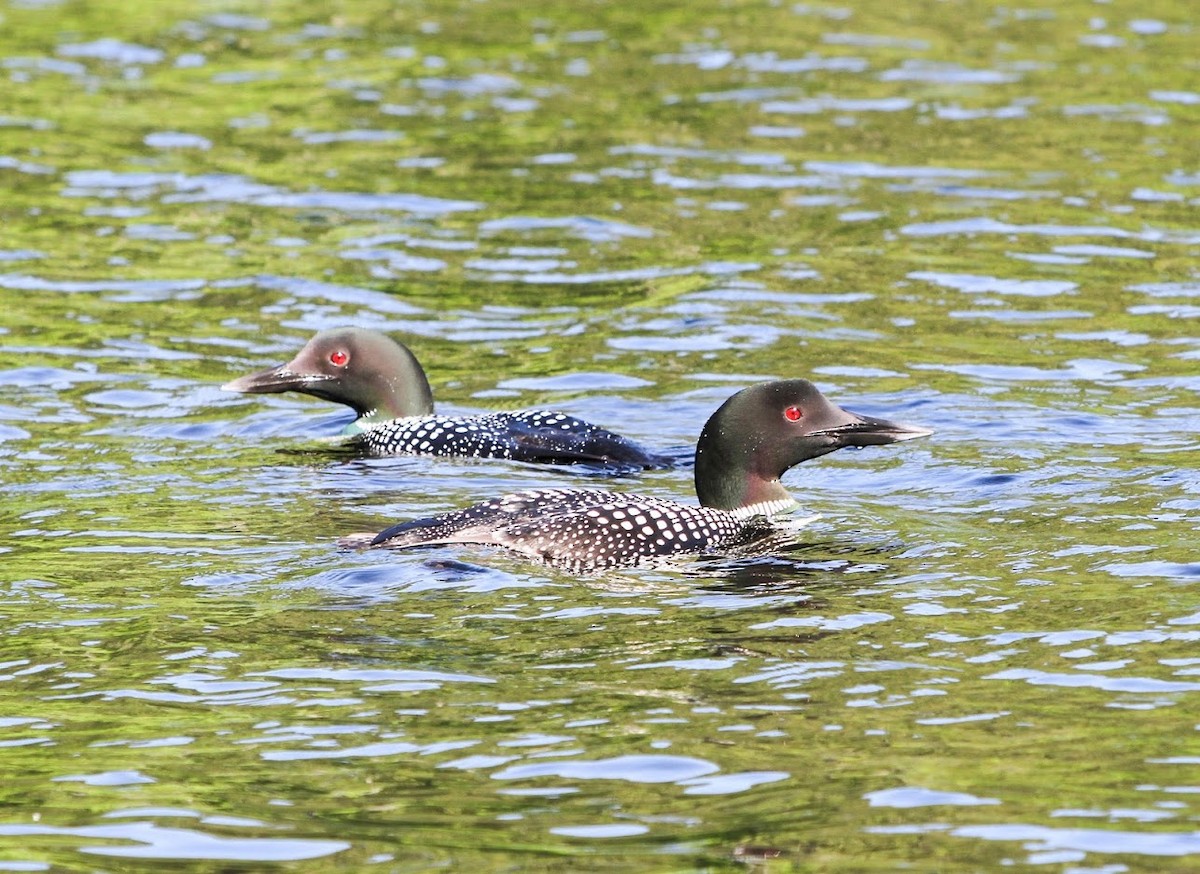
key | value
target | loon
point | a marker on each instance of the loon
(385, 385)
(745, 447)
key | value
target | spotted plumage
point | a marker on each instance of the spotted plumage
(744, 449)
(385, 385)
(583, 529)
(524, 435)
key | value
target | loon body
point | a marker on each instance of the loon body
(385, 385)
(744, 449)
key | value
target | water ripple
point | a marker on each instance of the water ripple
(148, 840)
(113, 50)
(631, 768)
(972, 284)
(1041, 839)
(916, 796)
(946, 73)
(231, 188)
(1146, 685)
(987, 225)
(587, 228)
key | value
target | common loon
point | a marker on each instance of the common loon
(744, 449)
(385, 385)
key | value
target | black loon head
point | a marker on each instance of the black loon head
(363, 369)
(762, 431)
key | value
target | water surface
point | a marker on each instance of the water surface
(977, 218)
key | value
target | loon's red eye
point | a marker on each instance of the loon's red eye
(339, 357)
(793, 414)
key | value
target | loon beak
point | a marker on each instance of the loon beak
(274, 380)
(869, 431)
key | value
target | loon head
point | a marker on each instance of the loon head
(366, 370)
(762, 431)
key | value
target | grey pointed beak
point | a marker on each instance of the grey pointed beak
(870, 431)
(273, 380)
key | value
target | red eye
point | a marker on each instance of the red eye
(339, 357)
(793, 414)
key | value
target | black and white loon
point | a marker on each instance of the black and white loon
(385, 385)
(744, 449)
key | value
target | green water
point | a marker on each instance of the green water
(973, 217)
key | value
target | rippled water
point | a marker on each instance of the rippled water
(977, 218)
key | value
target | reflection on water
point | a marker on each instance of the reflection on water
(981, 652)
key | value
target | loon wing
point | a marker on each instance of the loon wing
(542, 435)
(482, 522)
(577, 528)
